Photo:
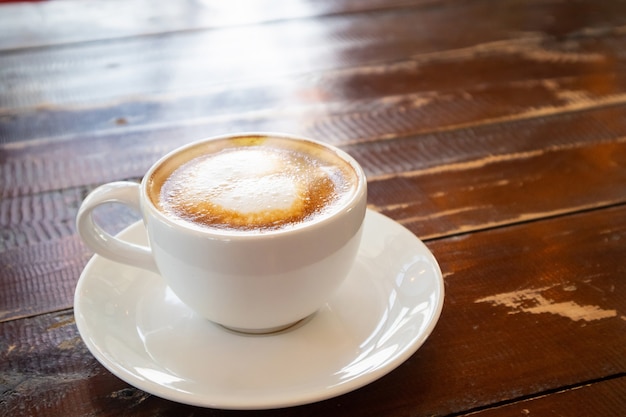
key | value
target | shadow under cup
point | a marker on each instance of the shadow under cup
(256, 279)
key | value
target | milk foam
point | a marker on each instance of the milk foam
(254, 188)
(244, 182)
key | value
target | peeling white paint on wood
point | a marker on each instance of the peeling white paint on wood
(482, 162)
(461, 166)
(534, 302)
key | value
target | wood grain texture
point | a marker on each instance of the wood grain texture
(190, 62)
(433, 201)
(41, 277)
(44, 366)
(604, 398)
(51, 23)
(38, 217)
(363, 103)
(502, 190)
(531, 278)
(494, 130)
(344, 108)
(41, 256)
(39, 167)
(48, 216)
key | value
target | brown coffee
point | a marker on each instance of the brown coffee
(254, 183)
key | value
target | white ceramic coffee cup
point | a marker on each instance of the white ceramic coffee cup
(251, 282)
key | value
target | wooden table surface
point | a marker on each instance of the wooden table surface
(495, 131)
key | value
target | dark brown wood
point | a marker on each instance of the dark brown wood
(493, 130)
(189, 63)
(508, 101)
(432, 202)
(528, 78)
(602, 398)
(500, 190)
(536, 278)
(44, 166)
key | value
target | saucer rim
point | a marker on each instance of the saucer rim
(313, 395)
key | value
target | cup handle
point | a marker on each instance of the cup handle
(103, 243)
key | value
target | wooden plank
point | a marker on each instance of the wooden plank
(48, 216)
(501, 190)
(196, 61)
(43, 166)
(405, 97)
(52, 23)
(41, 256)
(141, 135)
(40, 278)
(433, 203)
(38, 218)
(53, 381)
(188, 61)
(529, 310)
(530, 102)
(604, 398)
(540, 302)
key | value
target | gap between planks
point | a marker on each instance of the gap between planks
(517, 221)
(574, 106)
(537, 395)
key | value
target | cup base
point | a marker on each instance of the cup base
(268, 331)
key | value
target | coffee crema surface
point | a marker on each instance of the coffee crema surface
(255, 183)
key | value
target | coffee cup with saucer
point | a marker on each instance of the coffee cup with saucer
(368, 322)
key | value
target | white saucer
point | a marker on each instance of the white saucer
(378, 318)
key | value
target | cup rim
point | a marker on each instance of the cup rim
(359, 194)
